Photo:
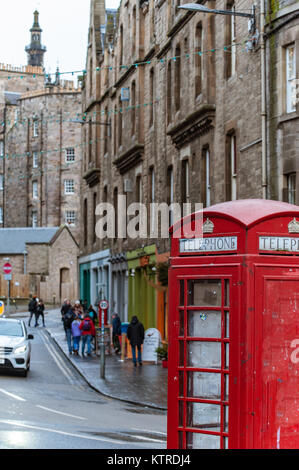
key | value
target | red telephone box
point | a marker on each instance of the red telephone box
(233, 360)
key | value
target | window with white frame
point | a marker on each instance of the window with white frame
(1, 215)
(35, 160)
(35, 128)
(233, 42)
(206, 177)
(70, 155)
(291, 186)
(69, 187)
(1, 148)
(1, 182)
(290, 79)
(34, 219)
(70, 217)
(185, 186)
(231, 167)
(34, 190)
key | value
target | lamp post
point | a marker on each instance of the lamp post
(25, 253)
(202, 9)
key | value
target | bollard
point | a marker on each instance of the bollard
(123, 346)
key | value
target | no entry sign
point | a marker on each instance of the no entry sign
(7, 268)
(103, 305)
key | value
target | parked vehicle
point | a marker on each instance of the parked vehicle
(15, 346)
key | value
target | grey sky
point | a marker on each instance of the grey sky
(65, 27)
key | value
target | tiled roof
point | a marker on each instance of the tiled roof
(13, 240)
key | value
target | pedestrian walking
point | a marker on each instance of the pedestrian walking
(40, 311)
(32, 307)
(116, 332)
(135, 335)
(64, 308)
(76, 334)
(87, 332)
(92, 313)
(78, 309)
(68, 319)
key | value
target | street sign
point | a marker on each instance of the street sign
(7, 268)
(7, 277)
(2, 308)
(104, 304)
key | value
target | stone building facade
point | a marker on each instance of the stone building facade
(13, 82)
(42, 161)
(191, 101)
(40, 144)
(44, 263)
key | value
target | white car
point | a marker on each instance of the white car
(15, 346)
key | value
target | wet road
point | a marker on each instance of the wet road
(54, 408)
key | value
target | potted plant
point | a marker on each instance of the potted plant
(162, 355)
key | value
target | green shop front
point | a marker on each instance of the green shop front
(142, 299)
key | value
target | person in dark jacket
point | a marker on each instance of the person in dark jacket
(68, 319)
(135, 335)
(40, 310)
(32, 307)
(64, 308)
(116, 332)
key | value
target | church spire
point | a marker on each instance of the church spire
(35, 51)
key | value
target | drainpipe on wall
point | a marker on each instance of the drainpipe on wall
(263, 104)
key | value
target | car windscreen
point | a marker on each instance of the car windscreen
(8, 328)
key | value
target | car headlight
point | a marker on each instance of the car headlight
(20, 349)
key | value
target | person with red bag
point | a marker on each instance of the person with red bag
(87, 332)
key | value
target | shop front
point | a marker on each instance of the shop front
(142, 300)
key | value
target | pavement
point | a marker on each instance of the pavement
(144, 385)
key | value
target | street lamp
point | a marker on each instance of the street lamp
(25, 253)
(203, 9)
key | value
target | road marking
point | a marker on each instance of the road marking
(159, 433)
(57, 358)
(12, 395)
(60, 412)
(143, 438)
(79, 436)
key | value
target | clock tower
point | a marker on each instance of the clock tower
(35, 51)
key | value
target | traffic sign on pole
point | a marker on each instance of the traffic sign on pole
(7, 268)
